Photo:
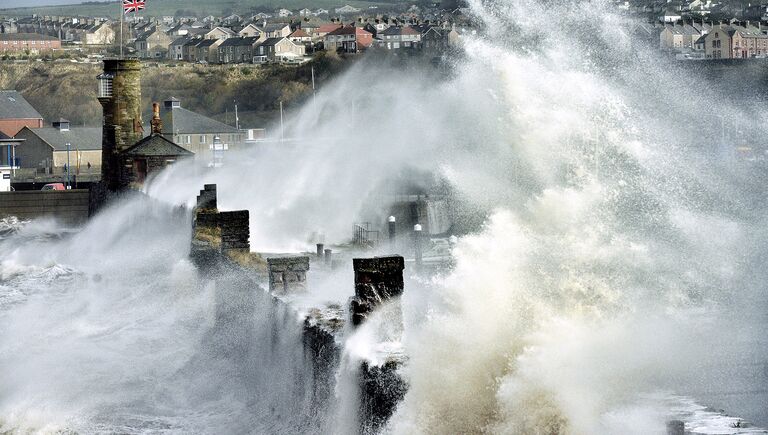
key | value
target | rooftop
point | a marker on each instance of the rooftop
(14, 106)
(180, 120)
(156, 145)
(26, 37)
(79, 138)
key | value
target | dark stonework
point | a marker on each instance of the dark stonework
(217, 232)
(323, 352)
(382, 389)
(235, 230)
(122, 126)
(207, 197)
(377, 280)
(288, 274)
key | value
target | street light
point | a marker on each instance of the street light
(68, 185)
(417, 246)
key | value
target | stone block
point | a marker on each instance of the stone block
(377, 280)
(287, 274)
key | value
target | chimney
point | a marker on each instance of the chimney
(62, 124)
(156, 122)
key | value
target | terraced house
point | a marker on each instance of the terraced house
(195, 132)
(32, 43)
(153, 43)
(397, 37)
(735, 42)
(348, 39)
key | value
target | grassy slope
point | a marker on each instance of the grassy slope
(199, 7)
(69, 90)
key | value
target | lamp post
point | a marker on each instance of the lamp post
(417, 247)
(392, 225)
(68, 185)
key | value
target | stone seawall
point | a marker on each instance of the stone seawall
(377, 280)
(68, 206)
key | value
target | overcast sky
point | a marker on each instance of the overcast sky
(20, 3)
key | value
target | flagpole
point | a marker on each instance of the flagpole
(121, 28)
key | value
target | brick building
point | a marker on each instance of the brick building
(23, 43)
(16, 113)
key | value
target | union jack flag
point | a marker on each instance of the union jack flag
(132, 6)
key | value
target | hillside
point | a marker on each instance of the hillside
(196, 7)
(69, 90)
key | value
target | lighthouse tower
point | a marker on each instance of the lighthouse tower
(120, 98)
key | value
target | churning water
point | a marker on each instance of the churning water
(612, 254)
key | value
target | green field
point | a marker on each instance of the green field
(197, 7)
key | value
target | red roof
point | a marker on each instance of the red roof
(326, 28)
(298, 34)
(408, 30)
(350, 30)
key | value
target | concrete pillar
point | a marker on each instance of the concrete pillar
(320, 250)
(328, 257)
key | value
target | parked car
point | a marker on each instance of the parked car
(54, 186)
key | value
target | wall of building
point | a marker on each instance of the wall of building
(12, 126)
(91, 156)
(32, 46)
(33, 152)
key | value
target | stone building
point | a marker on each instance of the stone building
(150, 155)
(98, 34)
(153, 43)
(120, 98)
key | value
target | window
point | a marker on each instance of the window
(202, 138)
(188, 139)
(105, 85)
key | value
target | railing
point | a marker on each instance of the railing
(364, 236)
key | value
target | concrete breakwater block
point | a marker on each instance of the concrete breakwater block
(287, 275)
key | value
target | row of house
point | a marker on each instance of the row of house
(86, 31)
(31, 43)
(260, 42)
(670, 11)
(721, 41)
